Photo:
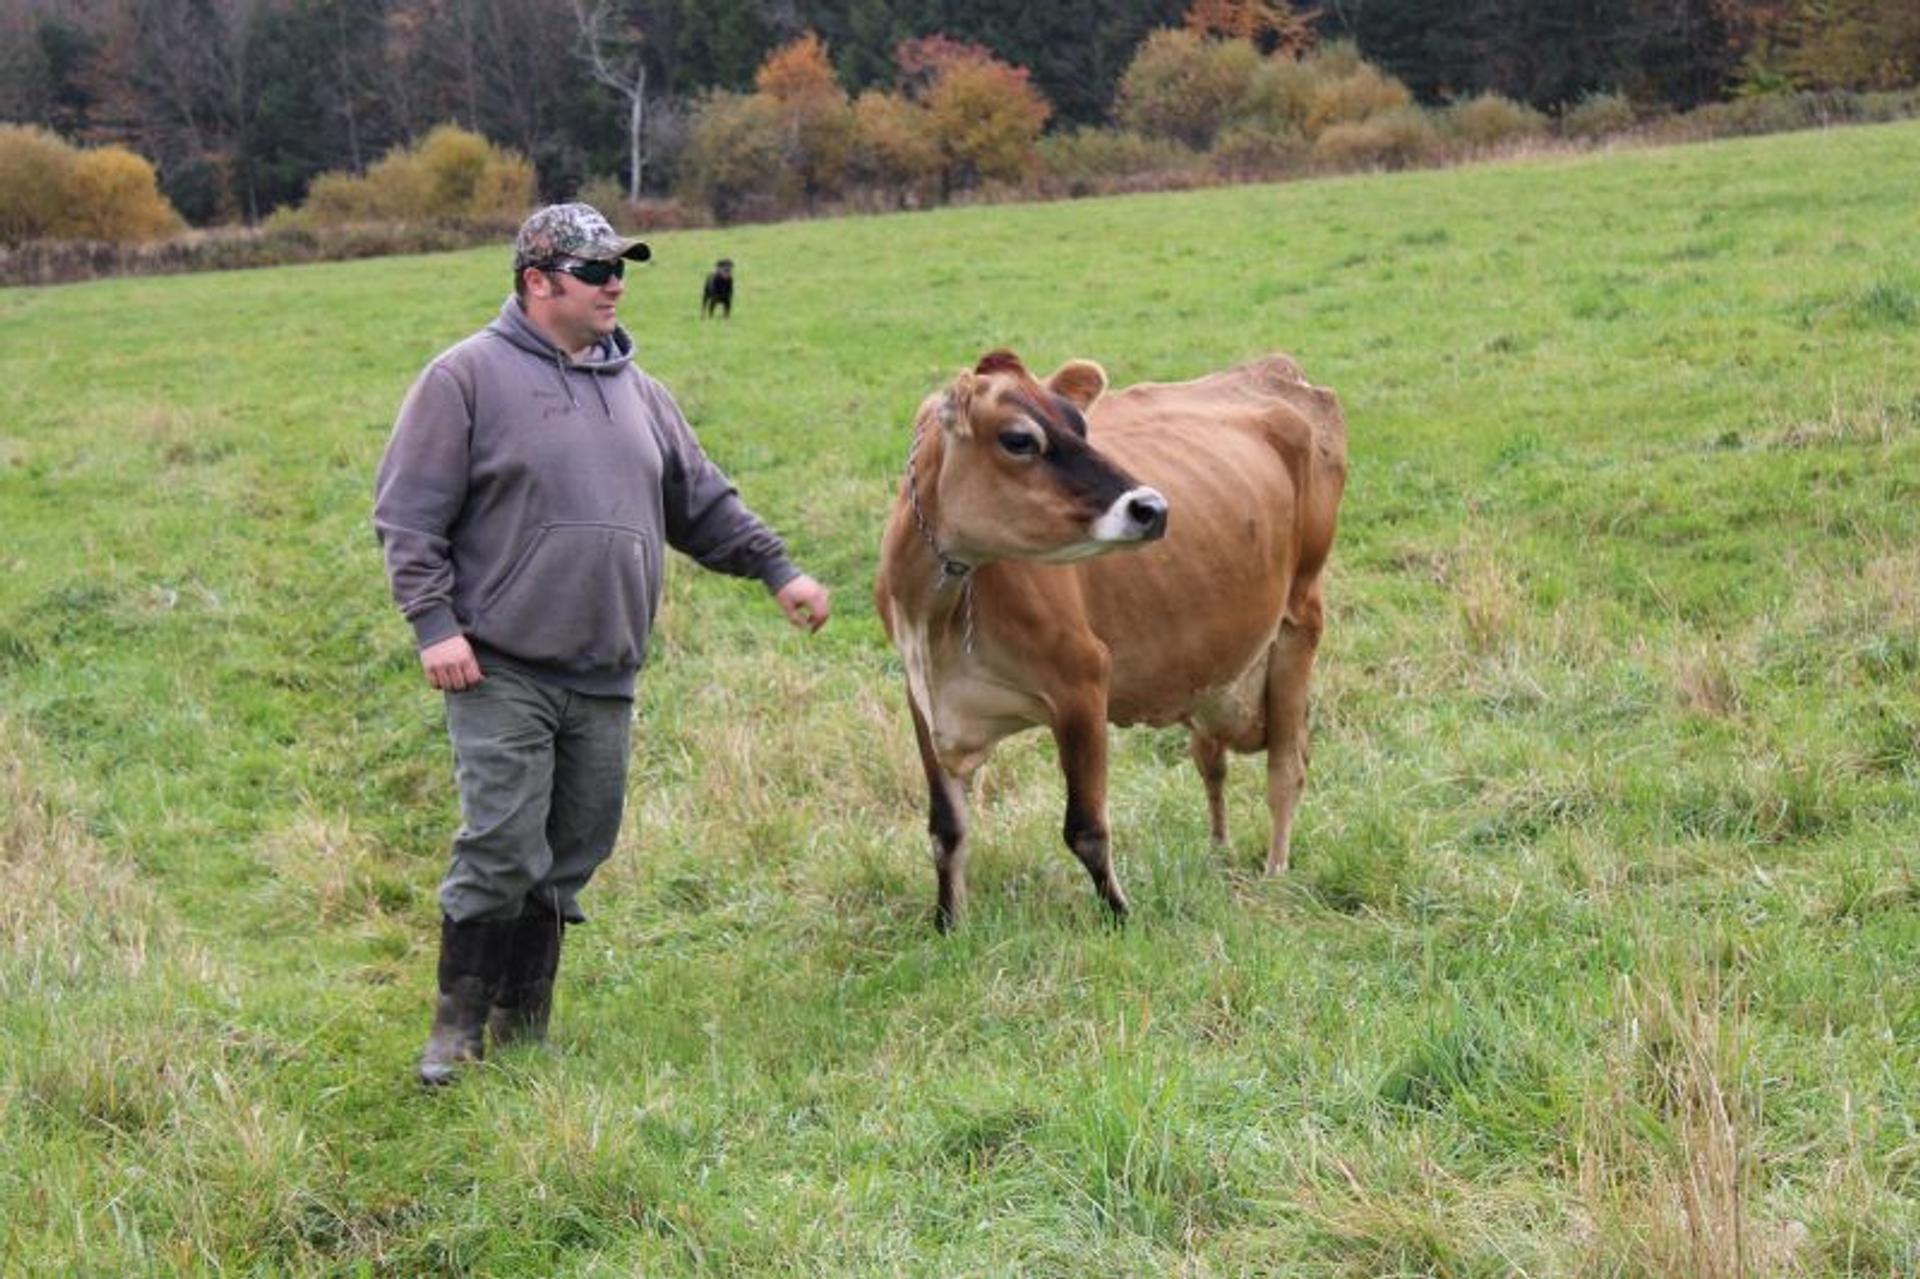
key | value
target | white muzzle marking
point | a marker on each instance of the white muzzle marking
(1135, 515)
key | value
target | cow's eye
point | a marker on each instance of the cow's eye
(1019, 443)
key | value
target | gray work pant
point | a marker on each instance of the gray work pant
(542, 774)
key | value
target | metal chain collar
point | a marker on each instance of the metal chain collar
(949, 569)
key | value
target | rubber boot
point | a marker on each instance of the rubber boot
(472, 959)
(524, 1001)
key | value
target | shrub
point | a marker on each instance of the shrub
(1335, 59)
(1085, 160)
(737, 156)
(34, 165)
(893, 145)
(1782, 112)
(453, 164)
(820, 125)
(604, 193)
(112, 194)
(396, 186)
(469, 177)
(1490, 120)
(986, 118)
(1260, 151)
(505, 190)
(1280, 94)
(196, 187)
(1353, 97)
(1597, 115)
(1394, 139)
(1184, 87)
(453, 175)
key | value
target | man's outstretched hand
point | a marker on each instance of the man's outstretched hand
(806, 603)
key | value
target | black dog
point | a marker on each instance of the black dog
(718, 293)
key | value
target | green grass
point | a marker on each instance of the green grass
(1598, 954)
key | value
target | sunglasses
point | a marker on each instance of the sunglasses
(594, 273)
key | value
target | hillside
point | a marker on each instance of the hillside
(1597, 954)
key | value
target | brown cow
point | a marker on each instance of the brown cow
(989, 588)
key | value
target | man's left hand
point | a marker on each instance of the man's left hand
(806, 603)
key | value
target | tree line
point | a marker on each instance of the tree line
(241, 104)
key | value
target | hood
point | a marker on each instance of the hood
(611, 355)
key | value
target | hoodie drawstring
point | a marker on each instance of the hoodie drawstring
(566, 384)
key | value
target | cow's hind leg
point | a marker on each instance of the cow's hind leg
(946, 826)
(1082, 739)
(1210, 757)
(1288, 669)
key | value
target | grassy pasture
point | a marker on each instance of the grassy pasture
(1597, 959)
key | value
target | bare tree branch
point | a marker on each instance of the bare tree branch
(619, 62)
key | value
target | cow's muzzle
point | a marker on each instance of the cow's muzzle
(1138, 515)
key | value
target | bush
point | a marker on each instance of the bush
(1336, 59)
(197, 188)
(1597, 115)
(604, 193)
(112, 194)
(1280, 94)
(893, 145)
(34, 166)
(452, 176)
(1260, 151)
(986, 118)
(1353, 98)
(1186, 88)
(819, 122)
(467, 176)
(1394, 139)
(737, 160)
(1490, 120)
(1782, 112)
(1087, 160)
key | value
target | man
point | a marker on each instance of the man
(532, 481)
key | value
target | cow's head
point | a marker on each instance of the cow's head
(1018, 479)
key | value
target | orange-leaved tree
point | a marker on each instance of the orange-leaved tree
(1274, 27)
(986, 117)
(799, 80)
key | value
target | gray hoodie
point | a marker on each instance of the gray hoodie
(525, 500)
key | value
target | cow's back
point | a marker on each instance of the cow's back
(1252, 462)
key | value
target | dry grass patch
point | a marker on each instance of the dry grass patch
(1880, 418)
(1667, 1167)
(329, 871)
(68, 910)
(1705, 683)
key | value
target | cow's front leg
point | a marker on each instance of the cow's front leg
(946, 826)
(1081, 734)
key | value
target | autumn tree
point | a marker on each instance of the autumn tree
(986, 118)
(1850, 44)
(919, 63)
(112, 195)
(1185, 86)
(799, 81)
(737, 160)
(1269, 26)
(893, 145)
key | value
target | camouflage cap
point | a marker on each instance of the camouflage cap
(572, 231)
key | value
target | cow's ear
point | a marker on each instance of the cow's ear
(956, 406)
(1079, 382)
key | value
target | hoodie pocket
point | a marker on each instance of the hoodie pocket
(581, 597)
